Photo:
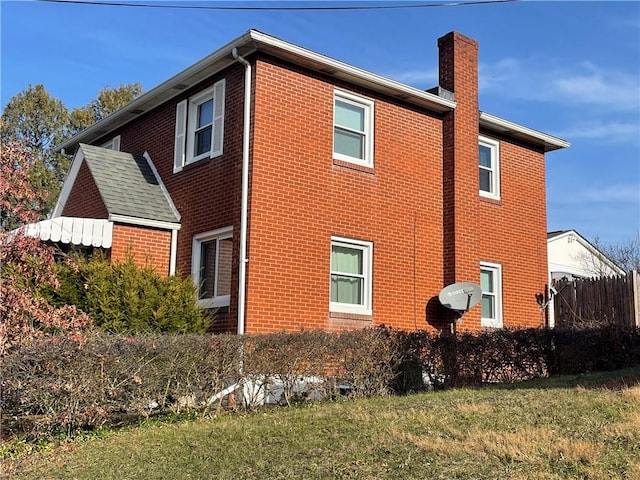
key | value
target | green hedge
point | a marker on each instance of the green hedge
(121, 297)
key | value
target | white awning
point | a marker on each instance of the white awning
(88, 232)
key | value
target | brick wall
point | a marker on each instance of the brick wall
(301, 197)
(510, 232)
(513, 232)
(84, 199)
(206, 193)
(147, 246)
(419, 205)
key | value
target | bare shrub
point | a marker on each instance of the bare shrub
(56, 383)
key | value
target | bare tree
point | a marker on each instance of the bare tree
(625, 254)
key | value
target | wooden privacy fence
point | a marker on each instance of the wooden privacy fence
(598, 301)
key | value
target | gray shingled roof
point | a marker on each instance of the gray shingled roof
(128, 185)
(556, 233)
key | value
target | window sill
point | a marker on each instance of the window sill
(491, 201)
(351, 316)
(353, 166)
(490, 328)
(213, 303)
(193, 164)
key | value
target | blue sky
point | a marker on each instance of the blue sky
(570, 69)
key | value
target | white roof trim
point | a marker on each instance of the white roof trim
(68, 183)
(254, 40)
(162, 185)
(143, 222)
(88, 232)
(586, 244)
(222, 58)
(352, 74)
(500, 125)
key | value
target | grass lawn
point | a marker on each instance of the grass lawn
(585, 427)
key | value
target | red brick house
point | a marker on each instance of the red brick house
(302, 192)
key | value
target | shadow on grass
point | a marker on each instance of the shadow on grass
(611, 380)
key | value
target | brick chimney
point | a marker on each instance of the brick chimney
(458, 65)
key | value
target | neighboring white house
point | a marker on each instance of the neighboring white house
(571, 256)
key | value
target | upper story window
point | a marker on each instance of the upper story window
(113, 144)
(489, 162)
(352, 129)
(351, 271)
(491, 285)
(211, 267)
(199, 126)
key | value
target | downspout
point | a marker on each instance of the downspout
(174, 252)
(242, 274)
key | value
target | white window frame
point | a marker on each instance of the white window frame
(496, 269)
(494, 146)
(186, 121)
(367, 274)
(368, 132)
(113, 144)
(196, 257)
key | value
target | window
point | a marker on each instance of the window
(211, 267)
(491, 284)
(352, 129)
(351, 269)
(199, 126)
(489, 162)
(113, 144)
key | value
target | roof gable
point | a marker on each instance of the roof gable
(569, 251)
(130, 188)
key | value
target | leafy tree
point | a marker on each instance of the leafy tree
(108, 101)
(25, 262)
(36, 120)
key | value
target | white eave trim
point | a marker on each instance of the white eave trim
(592, 249)
(143, 222)
(164, 92)
(354, 74)
(162, 186)
(68, 183)
(247, 44)
(496, 124)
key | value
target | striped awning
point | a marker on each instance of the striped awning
(88, 232)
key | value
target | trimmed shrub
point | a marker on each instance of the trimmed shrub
(58, 384)
(588, 350)
(124, 298)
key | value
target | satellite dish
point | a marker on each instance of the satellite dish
(460, 296)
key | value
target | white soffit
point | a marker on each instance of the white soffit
(501, 125)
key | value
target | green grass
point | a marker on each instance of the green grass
(582, 427)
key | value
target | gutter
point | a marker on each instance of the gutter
(242, 273)
(500, 125)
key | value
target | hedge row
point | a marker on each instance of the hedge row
(57, 383)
